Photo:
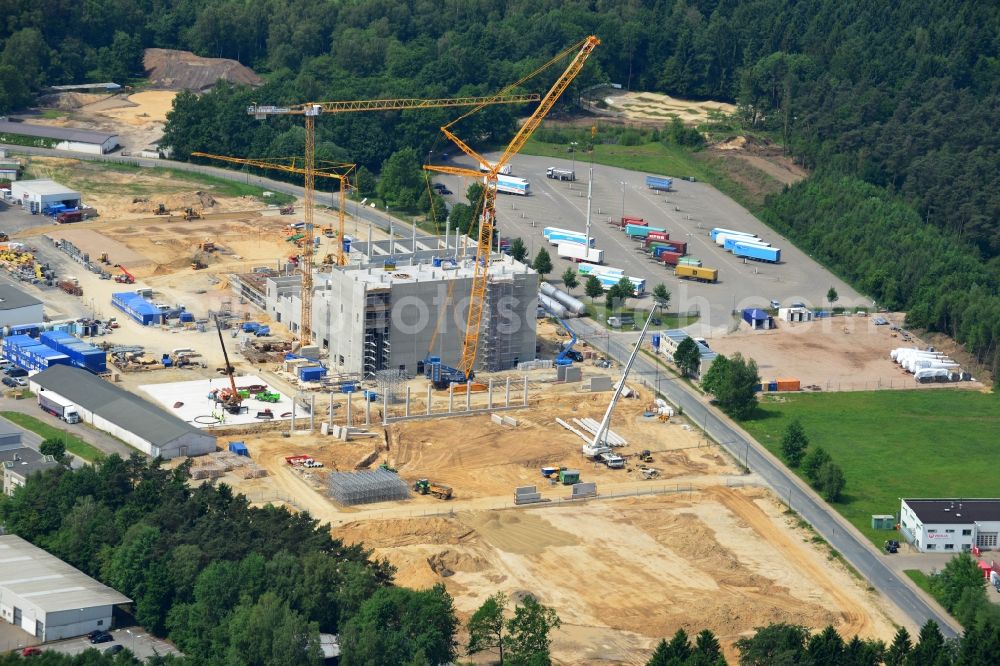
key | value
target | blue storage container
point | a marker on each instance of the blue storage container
(239, 448)
(250, 326)
(772, 386)
(312, 373)
(187, 317)
(656, 340)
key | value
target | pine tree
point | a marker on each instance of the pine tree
(900, 648)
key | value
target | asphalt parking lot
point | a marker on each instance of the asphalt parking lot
(688, 214)
(140, 642)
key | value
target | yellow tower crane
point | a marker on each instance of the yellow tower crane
(470, 347)
(313, 110)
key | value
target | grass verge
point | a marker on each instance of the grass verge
(74, 444)
(922, 580)
(892, 444)
(667, 320)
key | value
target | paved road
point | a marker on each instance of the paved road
(376, 217)
(140, 642)
(96, 438)
(834, 529)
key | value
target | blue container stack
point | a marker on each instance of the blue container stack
(311, 373)
(28, 354)
(186, 317)
(137, 307)
(80, 353)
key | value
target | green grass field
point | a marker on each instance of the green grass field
(893, 444)
(74, 444)
(599, 314)
(922, 580)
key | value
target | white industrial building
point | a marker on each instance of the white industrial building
(48, 598)
(135, 421)
(9, 169)
(934, 525)
(17, 461)
(391, 317)
(60, 138)
(666, 343)
(35, 195)
(17, 307)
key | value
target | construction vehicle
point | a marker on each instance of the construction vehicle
(4, 237)
(125, 277)
(207, 246)
(70, 288)
(230, 397)
(191, 214)
(104, 258)
(198, 263)
(600, 442)
(425, 487)
(287, 210)
(310, 112)
(329, 232)
(161, 210)
(480, 278)
(645, 456)
(387, 467)
(268, 396)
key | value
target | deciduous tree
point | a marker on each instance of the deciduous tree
(794, 443)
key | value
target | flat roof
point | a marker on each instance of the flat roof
(45, 187)
(77, 134)
(87, 86)
(426, 272)
(954, 511)
(47, 582)
(25, 461)
(12, 298)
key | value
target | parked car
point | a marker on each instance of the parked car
(20, 381)
(16, 372)
(10, 381)
(31, 651)
(114, 649)
(101, 637)
(444, 190)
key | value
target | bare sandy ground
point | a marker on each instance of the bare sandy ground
(657, 106)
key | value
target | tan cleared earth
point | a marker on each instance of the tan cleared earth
(699, 547)
(657, 106)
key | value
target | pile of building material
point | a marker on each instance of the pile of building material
(928, 365)
(220, 463)
(587, 428)
(379, 485)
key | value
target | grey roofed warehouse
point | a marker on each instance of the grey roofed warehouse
(137, 422)
(69, 138)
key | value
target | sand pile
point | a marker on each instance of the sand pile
(182, 70)
(519, 532)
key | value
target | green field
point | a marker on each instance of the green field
(922, 580)
(893, 444)
(74, 444)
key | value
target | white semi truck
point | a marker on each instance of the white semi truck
(58, 406)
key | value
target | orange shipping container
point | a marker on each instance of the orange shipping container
(787, 384)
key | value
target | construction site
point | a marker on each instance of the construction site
(425, 400)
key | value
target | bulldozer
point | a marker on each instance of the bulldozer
(287, 210)
(425, 487)
(161, 210)
(645, 456)
(191, 214)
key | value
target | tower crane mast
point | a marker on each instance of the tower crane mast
(480, 279)
(313, 110)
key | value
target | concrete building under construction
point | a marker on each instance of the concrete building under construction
(372, 318)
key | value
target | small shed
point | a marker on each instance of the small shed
(757, 319)
(795, 314)
(883, 521)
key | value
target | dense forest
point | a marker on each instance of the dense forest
(894, 105)
(232, 584)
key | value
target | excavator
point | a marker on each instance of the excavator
(230, 397)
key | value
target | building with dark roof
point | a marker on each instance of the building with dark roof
(20, 463)
(128, 417)
(950, 524)
(17, 307)
(61, 138)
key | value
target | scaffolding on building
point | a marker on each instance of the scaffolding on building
(499, 349)
(380, 485)
(378, 348)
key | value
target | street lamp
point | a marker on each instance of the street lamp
(623, 184)
(572, 149)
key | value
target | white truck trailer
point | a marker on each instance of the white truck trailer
(58, 406)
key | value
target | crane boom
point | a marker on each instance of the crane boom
(340, 171)
(480, 277)
(311, 111)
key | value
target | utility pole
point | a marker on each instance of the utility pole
(590, 200)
